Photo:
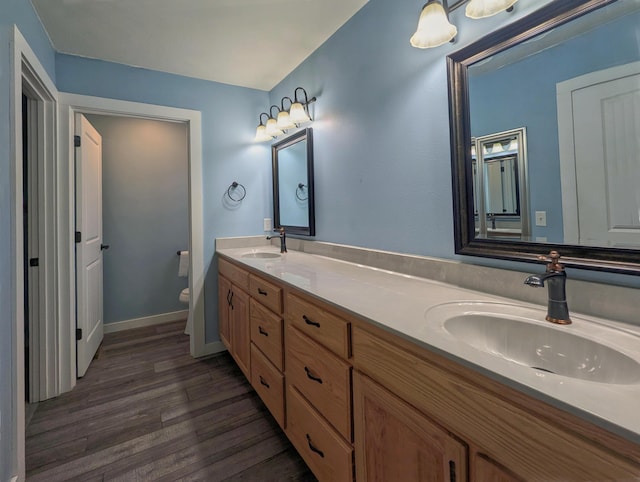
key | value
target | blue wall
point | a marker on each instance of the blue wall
(145, 208)
(21, 13)
(381, 133)
(229, 118)
(501, 103)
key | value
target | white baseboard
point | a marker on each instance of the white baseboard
(146, 321)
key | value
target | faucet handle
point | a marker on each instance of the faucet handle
(554, 264)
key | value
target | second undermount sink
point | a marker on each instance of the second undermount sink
(520, 335)
(261, 254)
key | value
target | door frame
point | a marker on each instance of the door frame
(69, 105)
(28, 73)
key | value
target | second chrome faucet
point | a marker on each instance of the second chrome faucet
(556, 278)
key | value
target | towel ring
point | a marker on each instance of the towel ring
(234, 185)
(300, 188)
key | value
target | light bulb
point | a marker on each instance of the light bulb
(297, 114)
(272, 128)
(284, 121)
(486, 8)
(434, 28)
(261, 134)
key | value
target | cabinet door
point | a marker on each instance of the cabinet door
(224, 294)
(240, 330)
(393, 441)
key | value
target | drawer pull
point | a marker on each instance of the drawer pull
(262, 292)
(310, 322)
(229, 296)
(313, 449)
(312, 377)
(452, 471)
(263, 382)
(231, 301)
(262, 332)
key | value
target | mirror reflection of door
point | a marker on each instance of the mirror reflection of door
(598, 119)
(499, 178)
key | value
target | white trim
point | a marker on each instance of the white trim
(26, 68)
(566, 147)
(72, 103)
(146, 321)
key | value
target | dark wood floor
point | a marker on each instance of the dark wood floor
(146, 411)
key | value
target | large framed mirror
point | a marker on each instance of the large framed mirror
(568, 77)
(293, 193)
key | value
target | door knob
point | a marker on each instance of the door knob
(103, 247)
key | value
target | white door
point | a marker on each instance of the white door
(89, 248)
(605, 119)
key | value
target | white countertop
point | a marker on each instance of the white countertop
(398, 303)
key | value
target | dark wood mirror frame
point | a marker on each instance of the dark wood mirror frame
(625, 261)
(305, 134)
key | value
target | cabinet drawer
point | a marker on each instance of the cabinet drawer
(329, 457)
(321, 325)
(266, 333)
(267, 293)
(237, 276)
(323, 378)
(269, 383)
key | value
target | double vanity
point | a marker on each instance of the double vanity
(379, 375)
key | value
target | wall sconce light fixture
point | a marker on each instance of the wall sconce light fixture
(434, 28)
(284, 120)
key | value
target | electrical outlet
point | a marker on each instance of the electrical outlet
(541, 218)
(267, 224)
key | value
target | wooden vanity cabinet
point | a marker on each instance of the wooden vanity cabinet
(233, 301)
(510, 436)
(319, 392)
(359, 401)
(267, 359)
(394, 441)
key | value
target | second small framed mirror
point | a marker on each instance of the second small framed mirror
(293, 193)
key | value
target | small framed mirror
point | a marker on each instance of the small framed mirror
(293, 193)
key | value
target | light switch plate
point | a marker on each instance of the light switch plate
(267, 224)
(541, 218)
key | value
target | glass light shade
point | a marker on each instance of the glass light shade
(261, 134)
(272, 128)
(487, 8)
(284, 121)
(297, 114)
(434, 28)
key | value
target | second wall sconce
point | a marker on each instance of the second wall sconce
(434, 28)
(284, 119)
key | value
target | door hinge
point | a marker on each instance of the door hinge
(78, 236)
(78, 334)
(76, 141)
(33, 262)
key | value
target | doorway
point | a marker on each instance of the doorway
(139, 218)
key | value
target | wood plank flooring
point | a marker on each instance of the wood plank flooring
(146, 410)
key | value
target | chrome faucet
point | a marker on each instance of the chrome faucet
(556, 278)
(283, 240)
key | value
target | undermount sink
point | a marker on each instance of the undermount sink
(261, 254)
(520, 335)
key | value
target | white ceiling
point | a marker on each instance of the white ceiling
(250, 43)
